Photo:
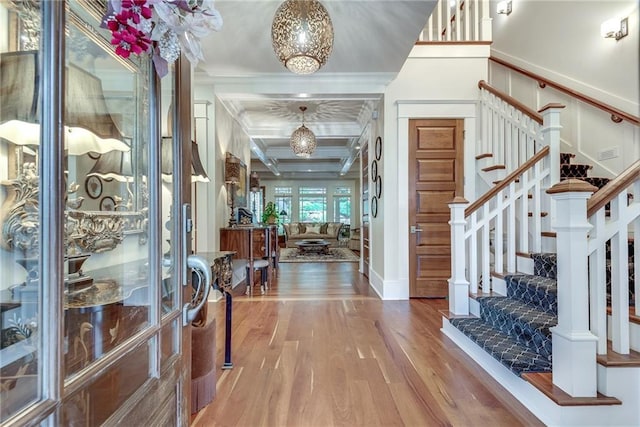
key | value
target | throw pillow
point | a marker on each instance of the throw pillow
(313, 229)
(332, 229)
(323, 228)
(293, 227)
(302, 228)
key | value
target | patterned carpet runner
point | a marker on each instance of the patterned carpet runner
(515, 329)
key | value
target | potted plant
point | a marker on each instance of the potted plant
(270, 213)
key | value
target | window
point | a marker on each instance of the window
(342, 209)
(282, 199)
(256, 203)
(313, 204)
(342, 205)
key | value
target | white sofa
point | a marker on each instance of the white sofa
(296, 231)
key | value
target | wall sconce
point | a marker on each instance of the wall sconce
(504, 7)
(615, 28)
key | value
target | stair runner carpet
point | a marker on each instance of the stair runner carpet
(514, 329)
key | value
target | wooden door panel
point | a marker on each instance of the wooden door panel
(434, 266)
(436, 233)
(433, 202)
(436, 170)
(435, 179)
(433, 138)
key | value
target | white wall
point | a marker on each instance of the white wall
(561, 40)
(430, 85)
(571, 52)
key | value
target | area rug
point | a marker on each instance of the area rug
(334, 255)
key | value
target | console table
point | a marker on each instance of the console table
(251, 243)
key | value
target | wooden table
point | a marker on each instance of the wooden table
(317, 245)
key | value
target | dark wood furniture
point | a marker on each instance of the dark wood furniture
(319, 246)
(252, 243)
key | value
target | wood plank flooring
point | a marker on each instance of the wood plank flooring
(321, 349)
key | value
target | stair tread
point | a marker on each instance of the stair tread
(544, 383)
(538, 291)
(540, 281)
(515, 356)
(521, 311)
(494, 167)
(612, 358)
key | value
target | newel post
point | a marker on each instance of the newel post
(458, 284)
(574, 346)
(551, 135)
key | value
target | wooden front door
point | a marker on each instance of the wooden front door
(435, 178)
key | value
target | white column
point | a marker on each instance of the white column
(574, 346)
(458, 284)
(551, 135)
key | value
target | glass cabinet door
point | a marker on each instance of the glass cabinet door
(90, 314)
(21, 284)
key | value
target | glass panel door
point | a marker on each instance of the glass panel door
(21, 320)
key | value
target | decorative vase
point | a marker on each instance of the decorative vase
(271, 220)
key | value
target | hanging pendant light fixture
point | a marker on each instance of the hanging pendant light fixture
(303, 141)
(302, 35)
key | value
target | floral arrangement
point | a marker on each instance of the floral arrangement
(161, 27)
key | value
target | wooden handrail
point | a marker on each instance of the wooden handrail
(511, 100)
(616, 115)
(613, 188)
(508, 180)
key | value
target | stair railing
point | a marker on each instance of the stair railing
(504, 212)
(611, 234)
(512, 132)
(458, 21)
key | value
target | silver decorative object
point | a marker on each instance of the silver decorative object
(19, 213)
(303, 141)
(302, 35)
(85, 231)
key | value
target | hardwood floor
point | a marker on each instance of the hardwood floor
(320, 349)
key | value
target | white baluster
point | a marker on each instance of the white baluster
(597, 281)
(619, 276)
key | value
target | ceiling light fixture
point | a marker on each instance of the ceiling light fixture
(302, 35)
(303, 141)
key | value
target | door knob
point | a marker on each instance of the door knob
(415, 229)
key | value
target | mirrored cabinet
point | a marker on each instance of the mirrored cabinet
(90, 307)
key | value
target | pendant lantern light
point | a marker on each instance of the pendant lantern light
(302, 35)
(303, 141)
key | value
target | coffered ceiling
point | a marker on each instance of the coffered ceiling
(372, 40)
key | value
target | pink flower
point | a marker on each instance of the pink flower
(129, 40)
(136, 8)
